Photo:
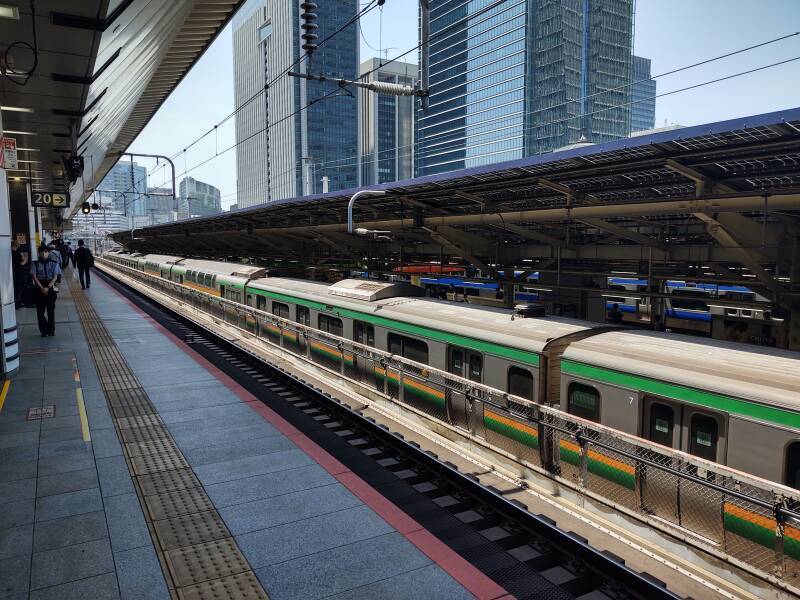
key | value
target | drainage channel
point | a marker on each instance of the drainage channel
(198, 555)
(525, 553)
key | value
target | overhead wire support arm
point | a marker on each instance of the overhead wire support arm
(380, 87)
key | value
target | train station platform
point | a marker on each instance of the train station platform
(132, 468)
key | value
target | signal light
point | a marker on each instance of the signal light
(95, 206)
(86, 208)
(309, 26)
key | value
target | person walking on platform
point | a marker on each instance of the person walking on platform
(18, 269)
(84, 261)
(45, 272)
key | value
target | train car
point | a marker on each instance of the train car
(635, 309)
(730, 403)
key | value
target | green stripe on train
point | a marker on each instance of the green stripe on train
(429, 396)
(515, 354)
(683, 393)
(523, 437)
(599, 468)
(747, 529)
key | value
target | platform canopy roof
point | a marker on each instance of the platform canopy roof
(724, 195)
(104, 68)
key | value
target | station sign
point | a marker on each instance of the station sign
(50, 200)
(8, 153)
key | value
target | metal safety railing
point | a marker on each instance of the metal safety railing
(749, 521)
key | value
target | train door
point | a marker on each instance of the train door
(662, 423)
(364, 369)
(468, 364)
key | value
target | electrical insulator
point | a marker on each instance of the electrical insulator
(309, 27)
(395, 89)
(86, 208)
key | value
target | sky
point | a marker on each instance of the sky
(672, 33)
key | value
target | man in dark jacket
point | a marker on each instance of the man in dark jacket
(84, 261)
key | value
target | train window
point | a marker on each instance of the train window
(792, 476)
(456, 363)
(476, 368)
(331, 325)
(520, 382)
(304, 316)
(261, 302)
(688, 300)
(364, 333)
(703, 437)
(583, 401)
(281, 310)
(409, 348)
(662, 424)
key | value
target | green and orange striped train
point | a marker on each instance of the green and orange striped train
(729, 403)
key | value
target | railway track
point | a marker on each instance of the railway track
(525, 553)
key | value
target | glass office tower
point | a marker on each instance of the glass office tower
(643, 96)
(288, 137)
(524, 77)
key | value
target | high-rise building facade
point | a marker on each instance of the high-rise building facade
(386, 124)
(522, 78)
(159, 206)
(125, 187)
(295, 132)
(198, 199)
(643, 96)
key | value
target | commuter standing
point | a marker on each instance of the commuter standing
(615, 314)
(18, 269)
(84, 261)
(45, 272)
(69, 256)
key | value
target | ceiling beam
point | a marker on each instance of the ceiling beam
(455, 246)
(703, 183)
(622, 232)
(531, 234)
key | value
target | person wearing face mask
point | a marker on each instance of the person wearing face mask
(45, 273)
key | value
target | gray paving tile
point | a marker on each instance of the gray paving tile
(252, 465)
(426, 582)
(73, 432)
(67, 463)
(49, 449)
(235, 433)
(59, 421)
(292, 540)
(51, 485)
(68, 531)
(27, 438)
(17, 490)
(268, 485)
(114, 476)
(99, 417)
(216, 413)
(100, 587)
(16, 512)
(296, 506)
(157, 378)
(16, 541)
(198, 398)
(227, 425)
(19, 453)
(126, 522)
(54, 567)
(106, 443)
(224, 452)
(15, 575)
(17, 426)
(68, 504)
(377, 559)
(140, 576)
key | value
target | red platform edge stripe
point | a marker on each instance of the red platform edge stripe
(474, 580)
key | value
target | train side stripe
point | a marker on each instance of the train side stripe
(599, 464)
(760, 529)
(683, 393)
(519, 432)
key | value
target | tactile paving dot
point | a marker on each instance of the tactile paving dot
(144, 434)
(188, 530)
(141, 421)
(154, 463)
(177, 502)
(242, 586)
(167, 481)
(206, 561)
(132, 410)
(164, 446)
(127, 398)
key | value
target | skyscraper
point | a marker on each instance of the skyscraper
(386, 124)
(125, 188)
(198, 199)
(297, 131)
(643, 96)
(523, 78)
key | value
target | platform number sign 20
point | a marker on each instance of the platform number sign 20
(50, 200)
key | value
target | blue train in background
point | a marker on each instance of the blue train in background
(456, 288)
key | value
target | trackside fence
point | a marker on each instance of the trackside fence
(749, 521)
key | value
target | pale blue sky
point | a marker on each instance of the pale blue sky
(673, 33)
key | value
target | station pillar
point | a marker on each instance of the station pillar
(9, 357)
